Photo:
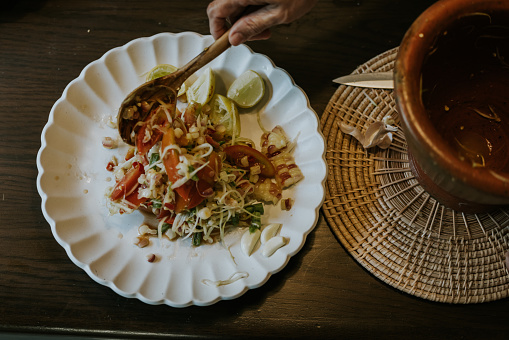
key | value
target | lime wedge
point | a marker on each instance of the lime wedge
(224, 112)
(160, 70)
(202, 90)
(247, 90)
(163, 70)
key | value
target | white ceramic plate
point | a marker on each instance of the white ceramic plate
(72, 178)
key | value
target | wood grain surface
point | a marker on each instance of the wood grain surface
(322, 293)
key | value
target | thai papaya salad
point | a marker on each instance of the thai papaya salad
(197, 175)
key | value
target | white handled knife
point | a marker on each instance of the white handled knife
(377, 80)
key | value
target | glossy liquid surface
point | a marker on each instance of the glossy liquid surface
(465, 90)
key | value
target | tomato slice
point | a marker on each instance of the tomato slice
(190, 113)
(207, 175)
(171, 158)
(212, 141)
(170, 161)
(128, 183)
(166, 212)
(194, 197)
(204, 188)
(135, 200)
(191, 200)
(237, 152)
(144, 147)
(156, 117)
(192, 193)
(209, 172)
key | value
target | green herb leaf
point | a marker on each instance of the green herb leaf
(256, 222)
(235, 220)
(258, 207)
(165, 227)
(197, 237)
(195, 177)
(156, 203)
(154, 158)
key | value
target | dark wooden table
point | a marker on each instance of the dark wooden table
(322, 292)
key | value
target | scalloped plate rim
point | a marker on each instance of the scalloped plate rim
(138, 295)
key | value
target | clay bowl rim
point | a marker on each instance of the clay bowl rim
(415, 45)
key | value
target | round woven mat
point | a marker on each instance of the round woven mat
(390, 225)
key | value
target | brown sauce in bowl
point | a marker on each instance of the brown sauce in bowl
(465, 89)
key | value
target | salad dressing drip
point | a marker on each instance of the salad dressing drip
(465, 89)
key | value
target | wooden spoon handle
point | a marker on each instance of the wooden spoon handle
(202, 59)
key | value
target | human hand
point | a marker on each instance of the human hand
(256, 24)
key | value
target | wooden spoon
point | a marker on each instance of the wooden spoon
(167, 86)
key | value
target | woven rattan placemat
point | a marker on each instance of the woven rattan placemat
(390, 225)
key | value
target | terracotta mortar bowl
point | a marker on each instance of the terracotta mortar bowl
(452, 94)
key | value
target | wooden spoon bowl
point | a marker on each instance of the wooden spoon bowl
(135, 107)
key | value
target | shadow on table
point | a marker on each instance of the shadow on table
(11, 11)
